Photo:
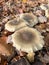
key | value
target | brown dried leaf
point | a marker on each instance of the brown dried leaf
(43, 1)
(47, 39)
(32, 3)
(40, 27)
(3, 60)
(45, 59)
(47, 26)
(5, 49)
(22, 61)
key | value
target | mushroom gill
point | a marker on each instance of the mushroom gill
(27, 40)
(14, 24)
(30, 18)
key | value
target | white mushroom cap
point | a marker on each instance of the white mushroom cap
(30, 18)
(27, 40)
(14, 25)
(47, 13)
(43, 6)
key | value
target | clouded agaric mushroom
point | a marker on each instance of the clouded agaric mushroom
(27, 40)
(30, 18)
(14, 25)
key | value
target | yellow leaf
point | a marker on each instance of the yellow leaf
(24, 1)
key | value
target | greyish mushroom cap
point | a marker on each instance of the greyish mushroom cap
(30, 18)
(27, 39)
(14, 25)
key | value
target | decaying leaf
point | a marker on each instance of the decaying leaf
(47, 39)
(41, 27)
(4, 48)
(3, 60)
(45, 59)
(22, 61)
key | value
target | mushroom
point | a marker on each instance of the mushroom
(47, 13)
(43, 6)
(14, 24)
(30, 18)
(28, 40)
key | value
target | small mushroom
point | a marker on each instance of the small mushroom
(28, 40)
(43, 6)
(14, 24)
(30, 18)
(47, 13)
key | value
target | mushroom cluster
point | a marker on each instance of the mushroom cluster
(25, 38)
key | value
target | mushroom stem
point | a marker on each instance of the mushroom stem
(30, 56)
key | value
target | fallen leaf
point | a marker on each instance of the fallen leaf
(24, 1)
(5, 49)
(45, 59)
(22, 61)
